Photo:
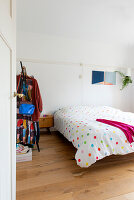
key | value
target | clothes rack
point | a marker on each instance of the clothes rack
(28, 131)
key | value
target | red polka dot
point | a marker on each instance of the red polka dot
(98, 149)
(89, 154)
(77, 126)
(94, 137)
(116, 142)
(66, 128)
(97, 158)
(73, 140)
(77, 138)
(79, 160)
(130, 145)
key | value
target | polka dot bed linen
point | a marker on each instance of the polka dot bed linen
(92, 139)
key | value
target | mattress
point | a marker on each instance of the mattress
(93, 140)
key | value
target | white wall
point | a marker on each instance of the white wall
(61, 85)
(94, 20)
(53, 48)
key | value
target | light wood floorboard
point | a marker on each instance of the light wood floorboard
(54, 175)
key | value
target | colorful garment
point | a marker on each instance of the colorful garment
(26, 134)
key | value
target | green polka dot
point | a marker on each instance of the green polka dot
(77, 131)
(87, 134)
(85, 142)
(81, 135)
(113, 150)
(107, 145)
(101, 141)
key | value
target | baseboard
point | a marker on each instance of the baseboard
(52, 129)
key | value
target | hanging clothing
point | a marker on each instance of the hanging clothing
(25, 130)
(34, 95)
(28, 131)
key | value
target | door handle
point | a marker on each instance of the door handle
(18, 95)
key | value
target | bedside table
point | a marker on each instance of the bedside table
(46, 122)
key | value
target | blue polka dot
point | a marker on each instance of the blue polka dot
(92, 145)
(104, 133)
(78, 145)
(111, 138)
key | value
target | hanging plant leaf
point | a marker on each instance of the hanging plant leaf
(126, 80)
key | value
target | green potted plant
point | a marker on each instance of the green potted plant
(126, 80)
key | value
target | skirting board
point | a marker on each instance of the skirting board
(52, 129)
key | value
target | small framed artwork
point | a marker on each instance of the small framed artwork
(103, 78)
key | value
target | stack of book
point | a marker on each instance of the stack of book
(23, 153)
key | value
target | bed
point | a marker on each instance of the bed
(92, 139)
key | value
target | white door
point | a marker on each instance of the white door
(7, 102)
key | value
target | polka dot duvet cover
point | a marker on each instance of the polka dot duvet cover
(92, 139)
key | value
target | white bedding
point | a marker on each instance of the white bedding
(93, 140)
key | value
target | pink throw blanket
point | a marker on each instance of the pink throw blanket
(127, 129)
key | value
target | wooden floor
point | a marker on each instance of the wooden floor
(54, 175)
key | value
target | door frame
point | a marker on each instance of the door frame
(12, 120)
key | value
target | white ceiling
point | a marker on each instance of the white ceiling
(88, 19)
